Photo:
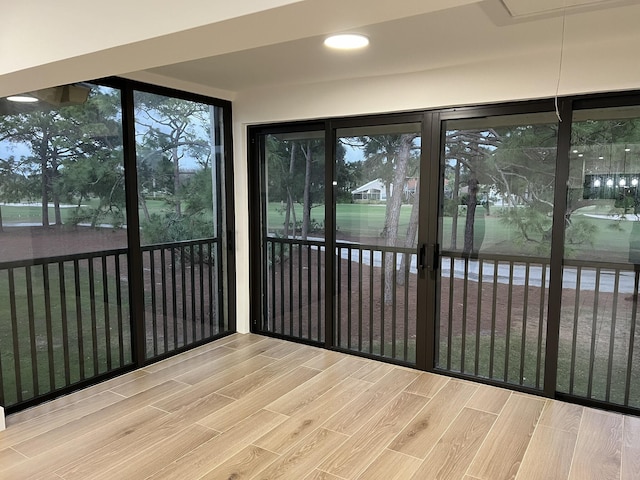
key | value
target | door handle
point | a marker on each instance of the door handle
(429, 257)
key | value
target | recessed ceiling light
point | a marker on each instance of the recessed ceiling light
(347, 41)
(22, 99)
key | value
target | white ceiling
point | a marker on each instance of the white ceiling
(468, 34)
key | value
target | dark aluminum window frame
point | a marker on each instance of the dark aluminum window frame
(433, 143)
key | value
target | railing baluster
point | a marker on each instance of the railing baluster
(450, 316)
(64, 320)
(300, 333)
(492, 340)
(632, 337)
(174, 298)
(165, 312)
(48, 325)
(291, 301)
(154, 308)
(594, 326)
(94, 317)
(192, 260)
(282, 304)
(271, 316)
(478, 317)
(394, 306)
(120, 315)
(309, 293)
(79, 322)
(203, 315)
(465, 296)
(32, 333)
(371, 295)
(339, 288)
(183, 290)
(15, 334)
(525, 308)
(383, 300)
(349, 299)
(319, 300)
(507, 348)
(213, 298)
(574, 338)
(612, 337)
(541, 323)
(360, 299)
(405, 353)
(107, 306)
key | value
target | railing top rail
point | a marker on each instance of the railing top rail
(296, 241)
(496, 257)
(182, 243)
(31, 262)
(627, 267)
(380, 248)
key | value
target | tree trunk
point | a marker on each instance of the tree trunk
(176, 180)
(455, 198)
(306, 208)
(45, 194)
(412, 231)
(54, 191)
(1, 228)
(471, 213)
(143, 204)
(394, 204)
(287, 216)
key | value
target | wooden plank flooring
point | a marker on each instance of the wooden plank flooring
(254, 407)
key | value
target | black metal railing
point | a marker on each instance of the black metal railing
(64, 320)
(493, 311)
(181, 296)
(294, 288)
(376, 300)
(599, 351)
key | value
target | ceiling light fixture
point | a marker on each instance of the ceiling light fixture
(22, 99)
(347, 41)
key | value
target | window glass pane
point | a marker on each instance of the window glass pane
(377, 171)
(293, 197)
(294, 186)
(377, 200)
(598, 348)
(499, 177)
(496, 218)
(64, 302)
(179, 152)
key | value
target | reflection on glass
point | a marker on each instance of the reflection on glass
(598, 341)
(295, 185)
(294, 212)
(499, 184)
(377, 198)
(64, 310)
(496, 213)
(180, 178)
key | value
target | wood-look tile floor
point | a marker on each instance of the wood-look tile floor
(249, 406)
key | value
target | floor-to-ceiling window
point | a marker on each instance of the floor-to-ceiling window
(81, 296)
(495, 242)
(495, 236)
(377, 176)
(599, 346)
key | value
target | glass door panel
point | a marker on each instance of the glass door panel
(180, 174)
(599, 354)
(376, 214)
(495, 237)
(293, 240)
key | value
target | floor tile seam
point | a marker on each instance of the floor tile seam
(434, 443)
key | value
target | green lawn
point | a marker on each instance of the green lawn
(51, 342)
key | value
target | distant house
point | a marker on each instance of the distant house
(376, 190)
(373, 190)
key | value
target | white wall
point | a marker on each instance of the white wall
(593, 67)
